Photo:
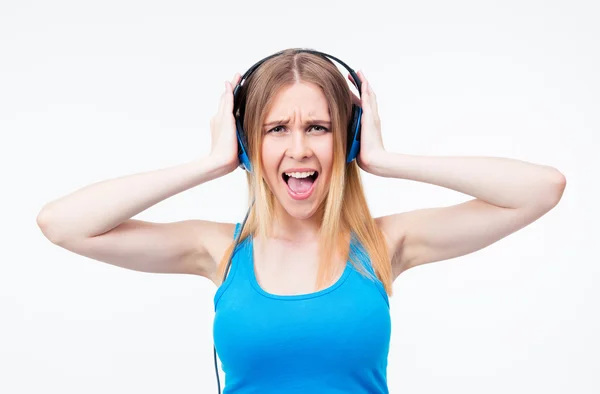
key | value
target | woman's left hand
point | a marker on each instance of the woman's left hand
(371, 143)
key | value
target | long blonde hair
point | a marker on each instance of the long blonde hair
(345, 210)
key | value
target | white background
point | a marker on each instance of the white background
(95, 90)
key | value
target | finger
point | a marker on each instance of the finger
(364, 97)
(352, 80)
(222, 101)
(228, 105)
(364, 83)
(368, 94)
(355, 99)
(374, 103)
(373, 99)
(354, 83)
(236, 79)
(229, 92)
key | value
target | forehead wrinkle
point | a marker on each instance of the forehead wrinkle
(310, 118)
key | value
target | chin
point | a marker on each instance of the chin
(301, 209)
(299, 212)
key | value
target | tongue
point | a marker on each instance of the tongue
(300, 185)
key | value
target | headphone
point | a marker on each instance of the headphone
(353, 147)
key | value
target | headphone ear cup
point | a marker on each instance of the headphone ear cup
(354, 134)
(242, 146)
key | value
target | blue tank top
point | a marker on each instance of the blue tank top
(335, 340)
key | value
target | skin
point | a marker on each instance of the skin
(305, 140)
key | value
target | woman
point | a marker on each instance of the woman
(304, 303)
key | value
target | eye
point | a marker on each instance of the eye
(317, 128)
(276, 130)
(320, 128)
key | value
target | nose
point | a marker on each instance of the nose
(299, 146)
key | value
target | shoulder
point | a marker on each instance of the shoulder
(213, 239)
(394, 231)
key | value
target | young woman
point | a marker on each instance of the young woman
(304, 303)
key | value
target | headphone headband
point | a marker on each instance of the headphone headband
(353, 131)
(257, 64)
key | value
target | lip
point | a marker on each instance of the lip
(300, 196)
(303, 169)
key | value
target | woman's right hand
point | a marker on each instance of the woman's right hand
(224, 143)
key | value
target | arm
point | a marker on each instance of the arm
(95, 221)
(100, 207)
(509, 195)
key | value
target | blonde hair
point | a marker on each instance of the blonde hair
(345, 210)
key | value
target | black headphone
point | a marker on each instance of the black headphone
(352, 151)
(353, 146)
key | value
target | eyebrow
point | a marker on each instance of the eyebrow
(286, 121)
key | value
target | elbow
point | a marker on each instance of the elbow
(558, 183)
(47, 225)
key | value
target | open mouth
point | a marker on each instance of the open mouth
(300, 185)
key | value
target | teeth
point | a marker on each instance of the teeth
(300, 174)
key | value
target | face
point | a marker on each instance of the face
(297, 149)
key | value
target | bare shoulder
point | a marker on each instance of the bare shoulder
(215, 237)
(428, 235)
(394, 233)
